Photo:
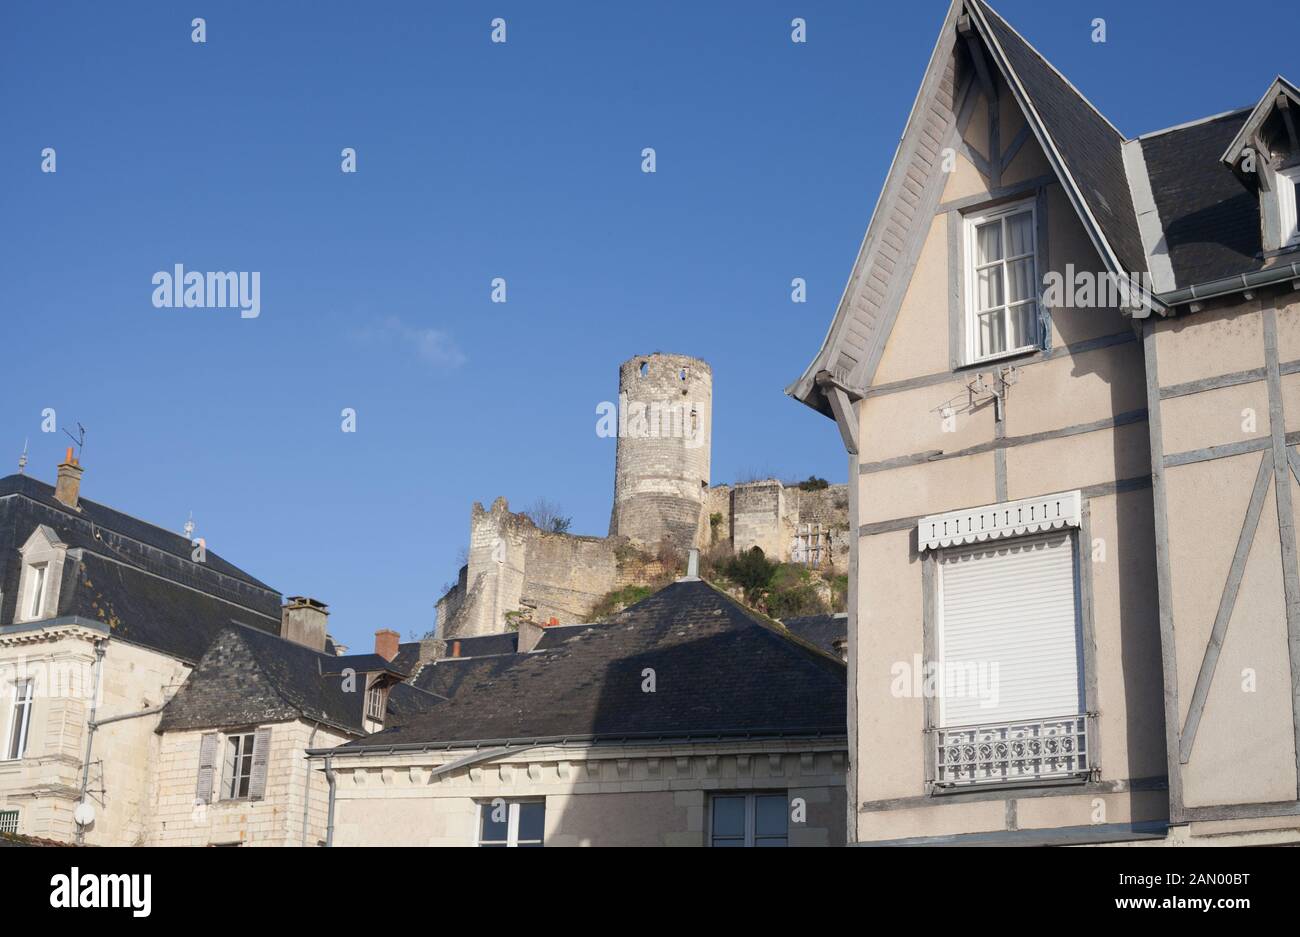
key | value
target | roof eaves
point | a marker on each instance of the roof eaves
(805, 389)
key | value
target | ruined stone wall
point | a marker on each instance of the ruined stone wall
(516, 569)
(773, 516)
(661, 467)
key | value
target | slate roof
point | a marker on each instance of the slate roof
(720, 669)
(821, 630)
(248, 677)
(136, 578)
(1210, 220)
(1089, 145)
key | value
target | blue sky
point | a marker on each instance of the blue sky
(475, 161)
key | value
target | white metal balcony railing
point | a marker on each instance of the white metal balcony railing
(1012, 751)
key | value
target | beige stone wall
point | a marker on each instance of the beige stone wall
(45, 785)
(276, 820)
(647, 796)
(1058, 433)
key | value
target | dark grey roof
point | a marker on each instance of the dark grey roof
(358, 663)
(136, 578)
(247, 677)
(148, 611)
(719, 669)
(821, 630)
(408, 657)
(484, 645)
(1210, 220)
(1089, 145)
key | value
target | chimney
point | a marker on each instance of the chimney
(455, 649)
(302, 620)
(386, 641)
(68, 487)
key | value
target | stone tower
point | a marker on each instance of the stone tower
(661, 470)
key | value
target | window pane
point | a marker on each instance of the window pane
(988, 288)
(1020, 280)
(988, 240)
(992, 337)
(1020, 234)
(769, 815)
(774, 841)
(729, 816)
(720, 843)
(1024, 320)
(532, 821)
(495, 823)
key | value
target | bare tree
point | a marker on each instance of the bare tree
(546, 515)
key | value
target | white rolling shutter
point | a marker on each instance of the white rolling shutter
(1012, 603)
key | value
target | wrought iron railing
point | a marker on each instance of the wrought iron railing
(1027, 750)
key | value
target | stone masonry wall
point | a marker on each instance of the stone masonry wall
(276, 820)
(661, 467)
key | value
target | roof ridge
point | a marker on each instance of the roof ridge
(1048, 62)
(1188, 124)
(245, 577)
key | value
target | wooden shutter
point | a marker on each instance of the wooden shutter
(261, 753)
(1013, 603)
(207, 767)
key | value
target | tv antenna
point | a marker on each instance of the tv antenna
(79, 439)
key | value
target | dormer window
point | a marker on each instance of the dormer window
(1288, 183)
(376, 705)
(43, 556)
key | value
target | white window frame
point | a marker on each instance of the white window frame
(231, 774)
(10, 820)
(38, 585)
(512, 822)
(971, 313)
(1288, 187)
(376, 700)
(19, 720)
(751, 814)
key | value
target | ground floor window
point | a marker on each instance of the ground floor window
(748, 820)
(8, 821)
(512, 822)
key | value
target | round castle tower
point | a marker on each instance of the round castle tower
(661, 469)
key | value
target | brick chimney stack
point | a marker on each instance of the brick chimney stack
(386, 641)
(68, 487)
(302, 620)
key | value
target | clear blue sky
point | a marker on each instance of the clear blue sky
(475, 161)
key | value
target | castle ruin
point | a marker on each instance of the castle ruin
(663, 505)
